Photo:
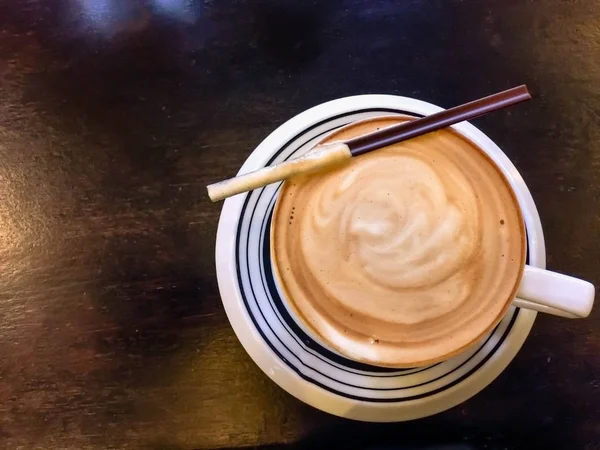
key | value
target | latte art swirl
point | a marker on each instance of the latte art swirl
(424, 232)
(397, 233)
(408, 246)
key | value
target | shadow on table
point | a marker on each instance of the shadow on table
(458, 446)
(426, 436)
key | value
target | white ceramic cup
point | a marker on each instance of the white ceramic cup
(537, 289)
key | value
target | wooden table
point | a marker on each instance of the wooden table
(115, 114)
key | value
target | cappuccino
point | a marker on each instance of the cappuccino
(403, 256)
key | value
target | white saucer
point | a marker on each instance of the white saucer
(286, 353)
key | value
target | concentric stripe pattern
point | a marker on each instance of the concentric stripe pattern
(290, 341)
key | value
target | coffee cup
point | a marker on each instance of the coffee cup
(409, 255)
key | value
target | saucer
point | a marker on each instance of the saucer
(281, 347)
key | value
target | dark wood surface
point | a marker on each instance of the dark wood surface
(115, 114)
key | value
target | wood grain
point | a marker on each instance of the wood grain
(115, 115)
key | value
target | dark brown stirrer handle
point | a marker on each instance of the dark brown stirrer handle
(407, 130)
(330, 155)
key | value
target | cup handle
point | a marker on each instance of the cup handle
(555, 293)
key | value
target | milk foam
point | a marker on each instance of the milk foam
(405, 255)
